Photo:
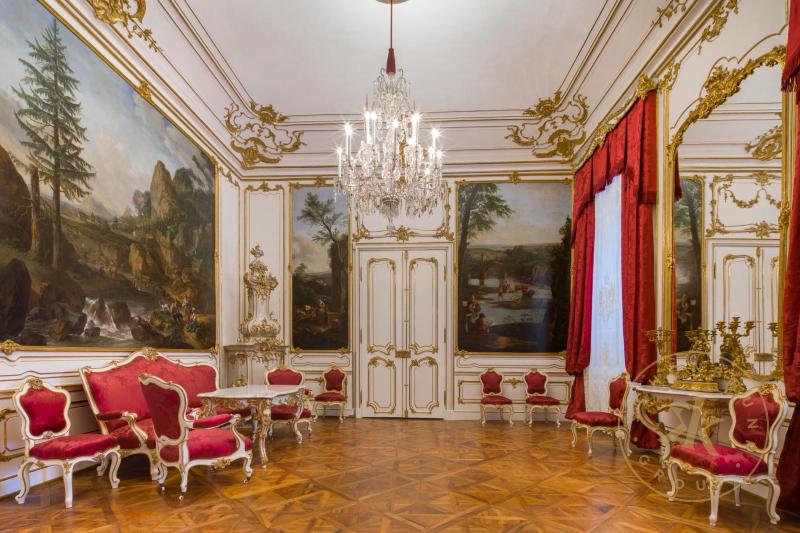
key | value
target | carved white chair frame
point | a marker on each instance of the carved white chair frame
(619, 431)
(184, 464)
(766, 454)
(500, 407)
(67, 466)
(531, 407)
(324, 404)
(295, 421)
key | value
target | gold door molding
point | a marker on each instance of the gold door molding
(372, 365)
(389, 346)
(416, 348)
(414, 366)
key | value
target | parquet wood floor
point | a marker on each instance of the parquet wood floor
(397, 475)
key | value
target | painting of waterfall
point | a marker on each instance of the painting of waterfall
(107, 210)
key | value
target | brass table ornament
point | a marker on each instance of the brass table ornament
(733, 360)
(699, 374)
(665, 362)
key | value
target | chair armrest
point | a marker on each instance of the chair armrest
(213, 421)
(110, 415)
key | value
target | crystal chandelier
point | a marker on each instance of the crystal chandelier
(390, 168)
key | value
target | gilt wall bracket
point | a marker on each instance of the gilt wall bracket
(257, 135)
(554, 127)
(128, 14)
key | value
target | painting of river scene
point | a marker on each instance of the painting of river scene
(513, 267)
(107, 210)
(688, 235)
(320, 281)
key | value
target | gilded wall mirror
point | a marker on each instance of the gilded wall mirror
(725, 231)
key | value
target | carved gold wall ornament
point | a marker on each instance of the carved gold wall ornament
(670, 9)
(721, 84)
(556, 126)
(644, 84)
(257, 136)
(721, 189)
(768, 145)
(718, 19)
(145, 91)
(8, 346)
(128, 13)
(150, 353)
(669, 77)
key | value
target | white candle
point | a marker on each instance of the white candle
(339, 153)
(434, 136)
(414, 122)
(366, 125)
(348, 131)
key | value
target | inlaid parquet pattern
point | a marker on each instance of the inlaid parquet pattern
(397, 475)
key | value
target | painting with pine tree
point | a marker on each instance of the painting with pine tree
(107, 218)
(320, 277)
(513, 267)
(687, 216)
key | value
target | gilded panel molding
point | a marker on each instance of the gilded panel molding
(556, 126)
(718, 19)
(768, 145)
(129, 14)
(722, 189)
(8, 347)
(670, 9)
(257, 135)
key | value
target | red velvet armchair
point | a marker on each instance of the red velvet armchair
(611, 422)
(44, 411)
(288, 413)
(756, 417)
(537, 398)
(182, 443)
(492, 395)
(121, 411)
(335, 382)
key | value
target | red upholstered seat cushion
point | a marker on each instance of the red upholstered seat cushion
(206, 444)
(492, 382)
(329, 396)
(45, 410)
(719, 459)
(284, 376)
(535, 382)
(286, 412)
(495, 400)
(596, 418)
(128, 440)
(542, 400)
(212, 421)
(72, 446)
(334, 379)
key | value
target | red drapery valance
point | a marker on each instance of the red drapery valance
(629, 151)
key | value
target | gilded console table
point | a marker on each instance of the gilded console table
(260, 399)
(706, 411)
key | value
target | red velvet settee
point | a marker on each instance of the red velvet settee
(120, 408)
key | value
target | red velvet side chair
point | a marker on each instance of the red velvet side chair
(182, 443)
(492, 395)
(612, 421)
(335, 382)
(287, 413)
(536, 383)
(756, 418)
(44, 411)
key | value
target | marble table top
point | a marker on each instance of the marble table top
(250, 392)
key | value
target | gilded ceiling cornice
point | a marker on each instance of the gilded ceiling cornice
(768, 145)
(670, 9)
(129, 14)
(556, 127)
(718, 19)
(256, 134)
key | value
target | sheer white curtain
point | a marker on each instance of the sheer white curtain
(608, 348)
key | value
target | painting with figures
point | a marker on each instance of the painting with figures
(320, 259)
(513, 266)
(107, 210)
(687, 218)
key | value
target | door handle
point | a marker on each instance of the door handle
(402, 354)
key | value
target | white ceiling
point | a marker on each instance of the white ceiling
(314, 57)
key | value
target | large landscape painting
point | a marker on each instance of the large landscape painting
(688, 235)
(513, 267)
(106, 208)
(320, 257)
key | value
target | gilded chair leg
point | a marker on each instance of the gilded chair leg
(341, 412)
(589, 435)
(558, 417)
(67, 474)
(184, 482)
(574, 429)
(102, 464)
(737, 494)
(483, 415)
(24, 481)
(625, 441)
(772, 500)
(529, 415)
(714, 489)
(162, 476)
(510, 415)
(297, 434)
(316, 411)
(248, 468)
(155, 464)
(672, 474)
(115, 459)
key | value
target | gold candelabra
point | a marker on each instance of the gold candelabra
(665, 362)
(733, 361)
(699, 374)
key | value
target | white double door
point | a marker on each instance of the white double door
(402, 332)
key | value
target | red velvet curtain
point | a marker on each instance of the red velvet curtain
(629, 150)
(789, 464)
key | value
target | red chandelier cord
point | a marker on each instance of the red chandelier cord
(390, 63)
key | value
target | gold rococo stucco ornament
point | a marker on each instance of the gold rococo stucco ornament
(256, 134)
(128, 13)
(259, 324)
(555, 127)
